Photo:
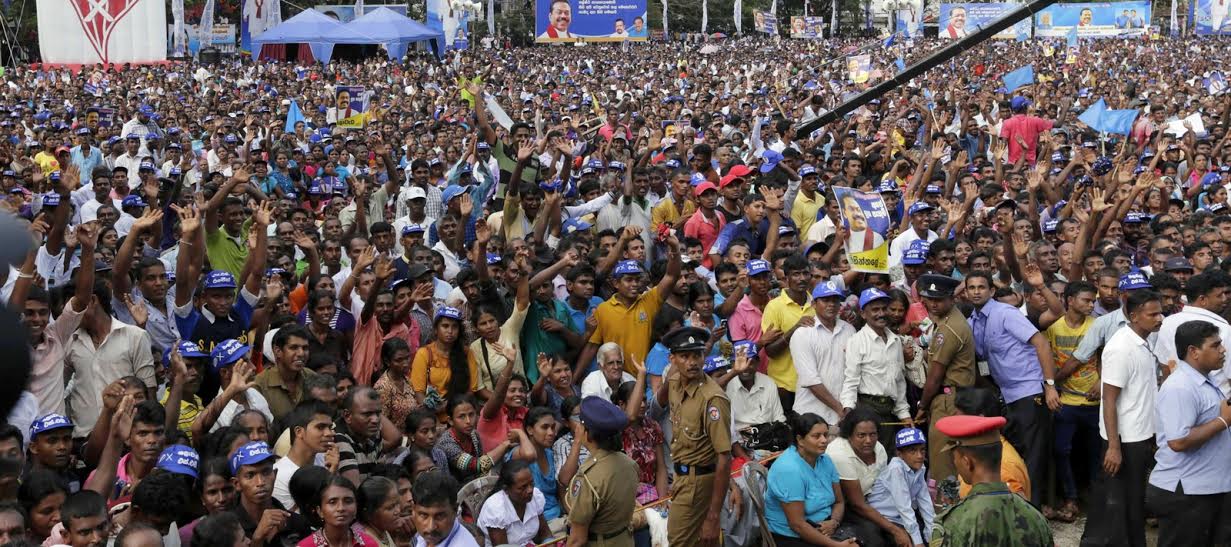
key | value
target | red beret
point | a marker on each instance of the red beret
(970, 430)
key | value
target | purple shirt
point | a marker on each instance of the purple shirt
(1002, 337)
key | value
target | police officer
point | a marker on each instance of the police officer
(600, 497)
(990, 515)
(951, 365)
(701, 442)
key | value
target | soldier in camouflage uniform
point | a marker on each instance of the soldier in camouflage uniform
(990, 515)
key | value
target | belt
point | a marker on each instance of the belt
(604, 537)
(883, 399)
(695, 470)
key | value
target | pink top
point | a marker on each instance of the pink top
(494, 431)
(1028, 128)
(365, 359)
(701, 228)
(745, 324)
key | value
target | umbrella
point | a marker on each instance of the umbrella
(709, 49)
(718, 35)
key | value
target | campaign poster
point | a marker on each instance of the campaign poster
(959, 20)
(1209, 17)
(590, 21)
(867, 218)
(809, 27)
(859, 68)
(106, 117)
(909, 20)
(671, 128)
(764, 21)
(222, 37)
(349, 107)
(1095, 20)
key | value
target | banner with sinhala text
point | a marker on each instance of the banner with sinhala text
(590, 20)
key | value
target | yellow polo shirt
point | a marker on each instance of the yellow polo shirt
(783, 313)
(803, 211)
(666, 211)
(628, 326)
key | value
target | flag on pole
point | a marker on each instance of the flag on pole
(900, 64)
(889, 41)
(1072, 38)
(293, 116)
(739, 16)
(358, 8)
(1021, 77)
(705, 16)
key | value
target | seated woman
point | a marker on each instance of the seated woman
(513, 514)
(860, 458)
(901, 491)
(540, 433)
(461, 445)
(803, 497)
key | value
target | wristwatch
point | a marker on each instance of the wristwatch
(1050, 382)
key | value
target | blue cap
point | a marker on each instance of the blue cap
(696, 179)
(920, 207)
(807, 170)
(12, 173)
(1134, 217)
(757, 267)
(886, 186)
(827, 289)
(551, 186)
(616, 165)
(132, 200)
(493, 259)
(715, 362)
(145, 109)
(870, 295)
(292, 195)
(449, 312)
(1210, 179)
(51, 199)
(483, 146)
(748, 345)
(250, 454)
(83, 131)
(627, 267)
(227, 353)
(220, 279)
(602, 417)
(178, 458)
(573, 225)
(48, 422)
(771, 160)
(916, 253)
(1134, 280)
(145, 166)
(463, 168)
(933, 189)
(909, 437)
(230, 139)
(1049, 226)
(1019, 103)
(672, 164)
(174, 146)
(450, 193)
(187, 349)
(412, 229)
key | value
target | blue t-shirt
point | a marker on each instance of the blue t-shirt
(792, 479)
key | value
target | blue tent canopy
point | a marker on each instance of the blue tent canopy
(310, 27)
(390, 28)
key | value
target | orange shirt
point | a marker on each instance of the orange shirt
(1012, 472)
(431, 367)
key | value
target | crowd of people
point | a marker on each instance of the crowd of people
(538, 272)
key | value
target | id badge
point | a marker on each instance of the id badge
(984, 369)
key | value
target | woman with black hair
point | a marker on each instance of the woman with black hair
(380, 509)
(215, 491)
(540, 429)
(461, 445)
(335, 507)
(803, 495)
(41, 494)
(642, 440)
(445, 366)
(513, 513)
(859, 457)
(220, 530)
(397, 399)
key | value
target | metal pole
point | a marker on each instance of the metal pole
(932, 61)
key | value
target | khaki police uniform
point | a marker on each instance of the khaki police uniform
(952, 346)
(701, 425)
(602, 497)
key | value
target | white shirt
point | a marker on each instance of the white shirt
(284, 468)
(256, 402)
(459, 536)
(902, 242)
(820, 230)
(851, 468)
(820, 359)
(23, 415)
(498, 513)
(855, 243)
(1129, 365)
(596, 384)
(1164, 345)
(874, 366)
(453, 264)
(756, 405)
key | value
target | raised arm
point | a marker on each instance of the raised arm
(215, 202)
(491, 408)
(191, 257)
(121, 284)
(674, 265)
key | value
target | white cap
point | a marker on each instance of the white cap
(415, 192)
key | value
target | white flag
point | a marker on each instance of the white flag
(98, 31)
(665, 34)
(705, 15)
(358, 9)
(739, 19)
(206, 28)
(773, 7)
(491, 18)
(178, 42)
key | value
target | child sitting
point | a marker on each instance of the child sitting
(900, 492)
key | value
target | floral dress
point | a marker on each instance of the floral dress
(396, 402)
(640, 443)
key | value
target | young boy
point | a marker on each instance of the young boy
(265, 521)
(85, 519)
(51, 444)
(900, 492)
(183, 383)
(311, 427)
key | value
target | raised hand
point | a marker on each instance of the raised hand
(384, 269)
(366, 258)
(147, 220)
(525, 151)
(179, 369)
(70, 178)
(467, 205)
(137, 310)
(242, 374)
(544, 365)
(87, 236)
(1019, 244)
(190, 220)
(1098, 201)
(303, 241)
(482, 232)
(1032, 274)
(264, 214)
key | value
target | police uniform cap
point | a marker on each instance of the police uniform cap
(601, 416)
(937, 286)
(686, 339)
(970, 430)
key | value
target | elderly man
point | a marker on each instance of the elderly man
(610, 373)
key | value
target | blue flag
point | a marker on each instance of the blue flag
(292, 116)
(889, 41)
(1119, 122)
(1093, 116)
(1073, 36)
(900, 64)
(1021, 77)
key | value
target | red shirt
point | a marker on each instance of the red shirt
(701, 228)
(1028, 128)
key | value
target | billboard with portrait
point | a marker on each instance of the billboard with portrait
(764, 21)
(807, 27)
(1095, 20)
(959, 20)
(590, 21)
(908, 21)
(867, 219)
(350, 106)
(1209, 17)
